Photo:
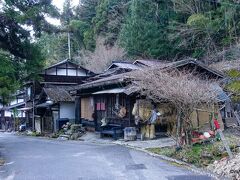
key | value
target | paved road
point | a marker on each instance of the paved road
(42, 159)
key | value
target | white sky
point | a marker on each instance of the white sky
(59, 5)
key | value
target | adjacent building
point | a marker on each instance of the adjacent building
(46, 103)
(109, 98)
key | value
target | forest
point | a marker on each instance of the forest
(105, 30)
(207, 30)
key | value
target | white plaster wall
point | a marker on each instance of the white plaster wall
(21, 114)
(7, 114)
(13, 102)
(72, 72)
(20, 100)
(16, 102)
(67, 110)
(61, 72)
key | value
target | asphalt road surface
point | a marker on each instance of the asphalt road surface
(29, 158)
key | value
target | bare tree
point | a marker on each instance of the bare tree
(184, 90)
(188, 6)
(102, 57)
(226, 65)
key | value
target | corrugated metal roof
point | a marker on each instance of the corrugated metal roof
(111, 91)
(221, 95)
(107, 80)
(124, 65)
(177, 64)
(151, 63)
(123, 77)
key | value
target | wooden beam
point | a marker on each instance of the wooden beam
(78, 110)
(237, 117)
(66, 69)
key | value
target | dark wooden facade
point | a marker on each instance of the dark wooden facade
(117, 77)
(63, 74)
(105, 107)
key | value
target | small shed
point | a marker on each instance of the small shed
(54, 104)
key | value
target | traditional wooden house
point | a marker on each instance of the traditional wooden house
(12, 111)
(107, 98)
(47, 100)
(101, 99)
(54, 107)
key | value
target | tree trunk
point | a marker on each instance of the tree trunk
(187, 126)
(178, 132)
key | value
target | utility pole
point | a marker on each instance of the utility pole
(69, 46)
(33, 104)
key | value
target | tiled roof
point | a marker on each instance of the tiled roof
(58, 94)
(124, 77)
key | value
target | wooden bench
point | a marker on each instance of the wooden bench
(114, 130)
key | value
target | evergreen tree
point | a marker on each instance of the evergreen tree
(86, 10)
(8, 82)
(145, 32)
(207, 29)
(67, 14)
(109, 19)
(20, 57)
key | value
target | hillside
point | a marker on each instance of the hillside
(207, 30)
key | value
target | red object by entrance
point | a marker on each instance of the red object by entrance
(216, 123)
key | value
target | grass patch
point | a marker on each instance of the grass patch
(168, 151)
(199, 155)
(34, 133)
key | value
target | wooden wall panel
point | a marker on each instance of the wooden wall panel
(87, 108)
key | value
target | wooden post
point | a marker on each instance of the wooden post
(237, 117)
(178, 129)
(78, 110)
(198, 122)
(33, 108)
(211, 121)
(225, 143)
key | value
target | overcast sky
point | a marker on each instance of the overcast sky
(59, 5)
